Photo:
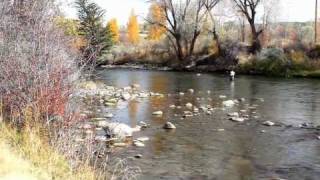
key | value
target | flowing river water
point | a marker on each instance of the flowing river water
(198, 150)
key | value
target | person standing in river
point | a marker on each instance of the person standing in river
(232, 75)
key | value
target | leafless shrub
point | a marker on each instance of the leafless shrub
(37, 68)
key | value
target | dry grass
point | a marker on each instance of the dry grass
(24, 155)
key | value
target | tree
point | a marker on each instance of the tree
(114, 29)
(156, 15)
(133, 29)
(98, 38)
(248, 9)
(184, 20)
(316, 23)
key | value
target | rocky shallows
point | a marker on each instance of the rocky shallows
(182, 107)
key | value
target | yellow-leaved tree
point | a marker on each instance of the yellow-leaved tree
(133, 29)
(157, 15)
(114, 28)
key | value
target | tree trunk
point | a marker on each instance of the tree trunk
(243, 30)
(193, 42)
(217, 40)
(255, 41)
(316, 23)
(179, 48)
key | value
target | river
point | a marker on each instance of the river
(198, 150)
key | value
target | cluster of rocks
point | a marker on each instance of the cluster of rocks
(110, 96)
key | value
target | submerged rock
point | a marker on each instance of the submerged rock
(109, 115)
(157, 113)
(119, 144)
(169, 125)
(143, 139)
(138, 144)
(228, 103)
(119, 130)
(236, 119)
(191, 91)
(187, 114)
(138, 156)
(143, 95)
(189, 105)
(234, 114)
(126, 96)
(135, 86)
(222, 97)
(241, 99)
(268, 123)
(172, 106)
(143, 124)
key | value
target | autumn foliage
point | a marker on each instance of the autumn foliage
(114, 28)
(156, 15)
(133, 29)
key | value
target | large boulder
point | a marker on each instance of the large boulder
(119, 130)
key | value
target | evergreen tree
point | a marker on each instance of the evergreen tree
(98, 39)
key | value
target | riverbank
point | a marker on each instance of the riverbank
(240, 70)
(272, 62)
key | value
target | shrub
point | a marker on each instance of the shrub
(272, 62)
(37, 68)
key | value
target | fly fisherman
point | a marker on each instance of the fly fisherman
(232, 74)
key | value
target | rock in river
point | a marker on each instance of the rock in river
(236, 119)
(228, 103)
(119, 130)
(169, 125)
(189, 105)
(234, 114)
(100, 138)
(191, 91)
(143, 139)
(268, 123)
(157, 113)
(135, 86)
(138, 144)
(172, 106)
(109, 115)
(126, 96)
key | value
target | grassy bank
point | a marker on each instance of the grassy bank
(276, 62)
(24, 155)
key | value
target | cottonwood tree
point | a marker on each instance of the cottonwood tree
(133, 29)
(114, 29)
(184, 20)
(249, 9)
(98, 39)
(156, 14)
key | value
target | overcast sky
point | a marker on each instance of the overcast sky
(292, 10)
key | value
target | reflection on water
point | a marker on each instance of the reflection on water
(195, 150)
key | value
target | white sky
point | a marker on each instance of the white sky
(292, 10)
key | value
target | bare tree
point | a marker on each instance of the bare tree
(209, 7)
(184, 20)
(316, 23)
(248, 9)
